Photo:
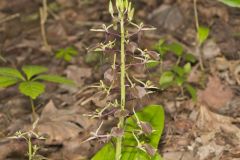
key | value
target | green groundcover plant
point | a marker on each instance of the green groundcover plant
(29, 80)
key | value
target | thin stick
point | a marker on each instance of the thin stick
(196, 14)
(43, 18)
(9, 18)
(197, 50)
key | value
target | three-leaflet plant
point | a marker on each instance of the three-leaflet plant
(66, 54)
(137, 134)
(29, 81)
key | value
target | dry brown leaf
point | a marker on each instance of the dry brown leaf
(78, 75)
(178, 156)
(209, 120)
(211, 49)
(61, 124)
(215, 95)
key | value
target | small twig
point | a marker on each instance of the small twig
(43, 18)
(197, 49)
(9, 18)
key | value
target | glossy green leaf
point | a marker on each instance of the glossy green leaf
(203, 33)
(153, 114)
(33, 70)
(176, 48)
(10, 72)
(7, 81)
(231, 3)
(55, 79)
(166, 78)
(31, 88)
(192, 91)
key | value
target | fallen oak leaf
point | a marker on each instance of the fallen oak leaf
(215, 95)
(61, 124)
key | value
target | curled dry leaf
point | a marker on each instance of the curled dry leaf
(61, 124)
(215, 94)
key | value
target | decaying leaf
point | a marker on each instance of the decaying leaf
(78, 75)
(61, 124)
(209, 120)
(215, 95)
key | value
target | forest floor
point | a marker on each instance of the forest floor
(208, 129)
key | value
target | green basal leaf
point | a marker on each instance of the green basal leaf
(176, 48)
(71, 51)
(153, 114)
(179, 70)
(32, 70)
(152, 64)
(10, 72)
(7, 81)
(55, 79)
(203, 33)
(190, 58)
(231, 3)
(192, 91)
(179, 81)
(187, 68)
(67, 58)
(166, 78)
(31, 88)
(59, 54)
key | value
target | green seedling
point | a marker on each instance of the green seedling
(29, 81)
(178, 74)
(66, 54)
